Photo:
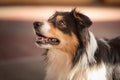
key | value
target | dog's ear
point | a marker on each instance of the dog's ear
(81, 18)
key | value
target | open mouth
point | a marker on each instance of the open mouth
(46, 40)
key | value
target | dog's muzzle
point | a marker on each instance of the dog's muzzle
(42, 39)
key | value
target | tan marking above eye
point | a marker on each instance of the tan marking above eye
(59, 18)
(61, 22)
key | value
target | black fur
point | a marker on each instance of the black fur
(102, 52)
(114, 50)
(108, 52)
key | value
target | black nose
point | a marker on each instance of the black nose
(37, 24)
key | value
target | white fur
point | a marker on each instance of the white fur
(91, 48)
(45, 28)
(97, 73)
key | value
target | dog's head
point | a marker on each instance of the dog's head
(63, 30)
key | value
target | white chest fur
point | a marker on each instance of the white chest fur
(58, 65)
(97, 74)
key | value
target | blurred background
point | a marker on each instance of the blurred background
(20, 58)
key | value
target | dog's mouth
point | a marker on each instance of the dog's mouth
(41, 39)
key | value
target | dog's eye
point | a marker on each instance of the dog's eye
(61, 23)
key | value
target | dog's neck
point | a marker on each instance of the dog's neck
(58, 66)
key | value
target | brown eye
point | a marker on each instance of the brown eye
(61, 23)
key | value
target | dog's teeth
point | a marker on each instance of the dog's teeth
(49, 39)
(54, 40)
(55, 43)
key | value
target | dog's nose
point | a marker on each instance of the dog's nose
(37, 24)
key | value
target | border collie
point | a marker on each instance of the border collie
(73, 52)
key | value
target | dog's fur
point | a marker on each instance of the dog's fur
(73, 53)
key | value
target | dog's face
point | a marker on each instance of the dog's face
(62, 30)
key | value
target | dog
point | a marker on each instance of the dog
(73, 52)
